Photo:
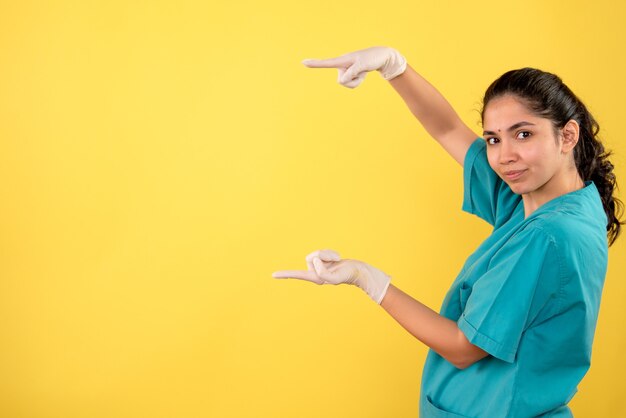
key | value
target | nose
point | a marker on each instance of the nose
(507, 152)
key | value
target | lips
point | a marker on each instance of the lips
(513, 174)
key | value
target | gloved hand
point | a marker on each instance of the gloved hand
(326, 267)
(353, 67)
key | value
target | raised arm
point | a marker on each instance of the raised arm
(434, 113)
(425, 102)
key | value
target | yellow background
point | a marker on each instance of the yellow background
(159, 160)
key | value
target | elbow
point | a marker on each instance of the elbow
(464, 360)
(466, 354)
(459, 361)
(462, 364)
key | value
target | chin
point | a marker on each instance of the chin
(518, 188)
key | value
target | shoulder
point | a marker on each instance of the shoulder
(570, 234)
(577, 239)
(577, 217)
(555, 226)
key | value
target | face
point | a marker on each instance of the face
(522, 148)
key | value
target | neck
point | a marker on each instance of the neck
(551, 190)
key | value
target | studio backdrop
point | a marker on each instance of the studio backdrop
(160, 159)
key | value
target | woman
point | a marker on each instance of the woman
(514, 334)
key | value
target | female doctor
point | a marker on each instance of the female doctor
(514, 334)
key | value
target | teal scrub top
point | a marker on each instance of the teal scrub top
(529, 296)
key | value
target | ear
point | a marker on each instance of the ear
(570, 134)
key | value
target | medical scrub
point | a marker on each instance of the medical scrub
(529, 296)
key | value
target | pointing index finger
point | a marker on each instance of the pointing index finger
(309, 276)
(339, 62)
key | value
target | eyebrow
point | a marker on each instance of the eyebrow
(512, 128)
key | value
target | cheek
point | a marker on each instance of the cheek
(539, 157)
(545, 152)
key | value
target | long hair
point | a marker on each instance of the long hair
(547, 96)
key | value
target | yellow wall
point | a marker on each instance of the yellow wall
(158, 160)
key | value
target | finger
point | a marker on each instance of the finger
(342, 61)
(298, 274)
(341, 71)
(355, 83)
(352, 73)
(325, 255)
(323, 273)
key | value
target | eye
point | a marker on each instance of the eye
(492, 141)
(523, 135)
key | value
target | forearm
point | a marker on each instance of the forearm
(437, 332)
(434, 113)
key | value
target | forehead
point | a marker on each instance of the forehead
(502, 112)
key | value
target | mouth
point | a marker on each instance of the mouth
(513, 174)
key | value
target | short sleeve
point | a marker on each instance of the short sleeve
(521, 280)
(484, 193)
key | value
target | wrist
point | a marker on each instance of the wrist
(395, 64)
(383, 293)
(373, 281)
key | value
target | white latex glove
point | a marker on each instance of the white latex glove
(326, 267)
(354, 66)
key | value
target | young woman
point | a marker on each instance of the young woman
(514, 334)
